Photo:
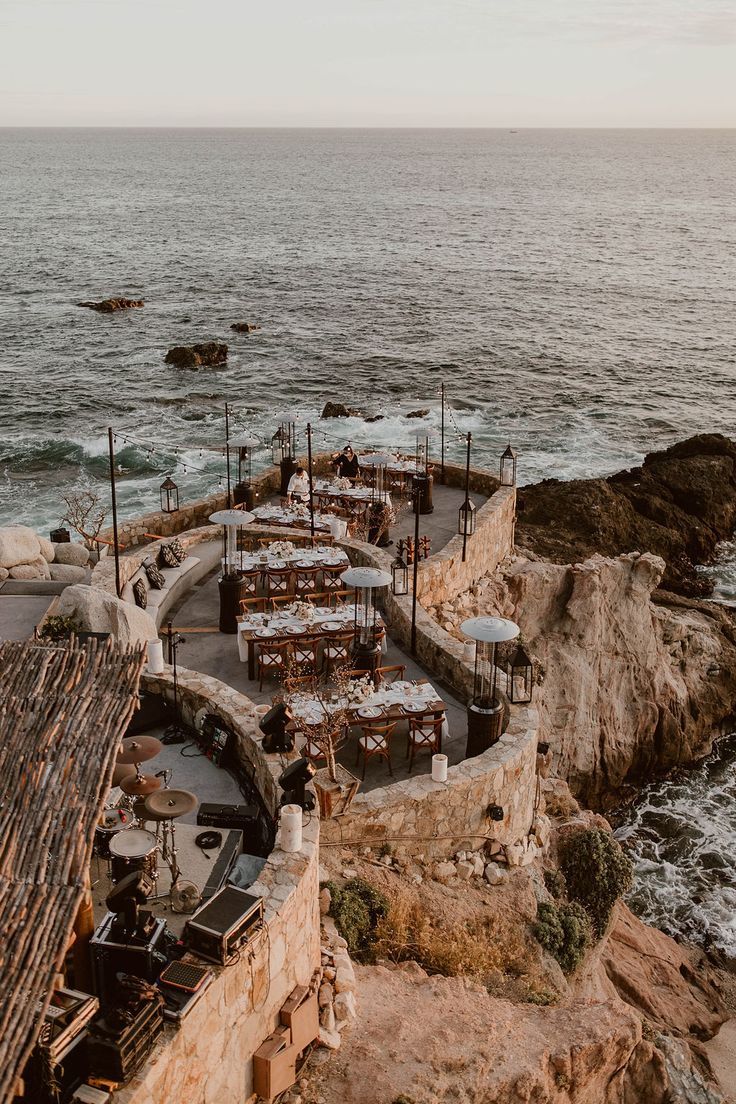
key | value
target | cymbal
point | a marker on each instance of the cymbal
(138, 749)
(122, 770)
(140, 787)
(168, 804)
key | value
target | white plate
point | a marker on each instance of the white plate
(277, 564)
(332, 626)
(333, 563)
(264, 633)
(415, 707)
(296, 629)
(370, 711)
(304, 563)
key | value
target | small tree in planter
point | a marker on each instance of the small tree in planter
(332, 701)
(85, 514)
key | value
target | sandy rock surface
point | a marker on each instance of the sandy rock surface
(97, 611)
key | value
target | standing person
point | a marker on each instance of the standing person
(346, 464)
(298, 488)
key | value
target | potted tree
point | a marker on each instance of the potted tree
(323, 708)
(86, 515)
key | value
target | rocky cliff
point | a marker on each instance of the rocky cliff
(632, 680)
(679, 504)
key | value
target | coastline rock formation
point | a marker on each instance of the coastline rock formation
(338, 410)
(206, 355)
(109, 306)
(24, 555)
(679, 504)
(632, 680)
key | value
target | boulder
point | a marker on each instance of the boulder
(374, 418)
(30, 570)
(443, 871)
(465, 870)
(418, 413)
(338, 410)
(46, 549)
(4, 573)
(67, 573)
(495, 874)
(345, 1008)
(194, 356)
(18, 545)
(74, 554)
(244, 327)
(109, 306)
(98, 611)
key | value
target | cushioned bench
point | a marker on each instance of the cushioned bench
(159, 602)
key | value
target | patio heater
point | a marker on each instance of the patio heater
(243, 493)
(232, 587)
(169, 493)
(423, 502)
(485, 710)
(283, 448)
(378, 529)
(366, 644)
(507, 470)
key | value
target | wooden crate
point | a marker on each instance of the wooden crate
(301, 1014)
(274, 1064)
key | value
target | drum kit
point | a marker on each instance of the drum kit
(122, 838)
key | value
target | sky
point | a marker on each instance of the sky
(507, 63)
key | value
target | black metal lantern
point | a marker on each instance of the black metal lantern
(169, 496)
(508, 467)
(520, 677)
(277, 451)
(399, 577)
(466, 518)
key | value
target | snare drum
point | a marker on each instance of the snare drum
(112, 821)
(132, 850)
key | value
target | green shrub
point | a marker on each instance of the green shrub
(564, 931)
(554, 883)
(596, 872)
(357, 907)
(57, 628)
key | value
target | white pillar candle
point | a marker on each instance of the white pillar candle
(469, 651)
(155, 656)
(439, 768)
(291, 828)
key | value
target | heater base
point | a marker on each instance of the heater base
(484, 728)
(243, 495)
(232, 590)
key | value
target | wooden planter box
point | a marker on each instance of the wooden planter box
(334, 798)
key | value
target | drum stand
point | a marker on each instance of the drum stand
(174, 734)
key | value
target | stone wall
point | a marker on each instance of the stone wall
(208, 1060)
(444, 575)
(422, 816)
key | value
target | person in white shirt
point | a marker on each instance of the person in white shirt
(298, 489)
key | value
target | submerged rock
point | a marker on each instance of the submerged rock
(244, 327)
(418, 413)
(109, 306)
(338, 410)
(195, 356)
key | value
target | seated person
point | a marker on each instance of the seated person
(298, 489)
(346, 464)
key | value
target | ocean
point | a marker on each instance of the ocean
(575, 290)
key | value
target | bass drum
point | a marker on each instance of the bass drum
(133, 850)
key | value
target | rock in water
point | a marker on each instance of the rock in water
(338, 410)
(195, 356)
(244, 327)
(109, 306)
(418, 413)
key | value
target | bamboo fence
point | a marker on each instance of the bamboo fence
(63, 711)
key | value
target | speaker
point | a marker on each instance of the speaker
(273, 727)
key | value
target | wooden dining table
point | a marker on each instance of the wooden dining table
(287, 627)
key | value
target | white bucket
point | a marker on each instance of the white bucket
(155, 657)
(439, 768)
(291, 828)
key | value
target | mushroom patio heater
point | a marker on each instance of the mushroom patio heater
(485, 711)
(378, 527)
(243, 493)
(232, 587)
(366, 642)
(423, 477)
(520, 677)
(283, 448)
(169, 496)
(507, 469)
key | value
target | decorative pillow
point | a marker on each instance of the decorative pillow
(154, 576)
(140, 593)
(178, 549)
(170, 554)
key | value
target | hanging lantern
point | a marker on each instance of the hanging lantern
(169, 496)
(399, 577)
(508, 467)
(466, 518)
(277, 452)
(520, 677)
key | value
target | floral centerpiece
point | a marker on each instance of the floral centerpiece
(283, 548)
(304, 611)
(342, 483)
(359, 690)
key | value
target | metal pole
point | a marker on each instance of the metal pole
(311, 487)
(442, 388)
(227, 454)
(111, 447)
(417, 495)
(467, 498)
